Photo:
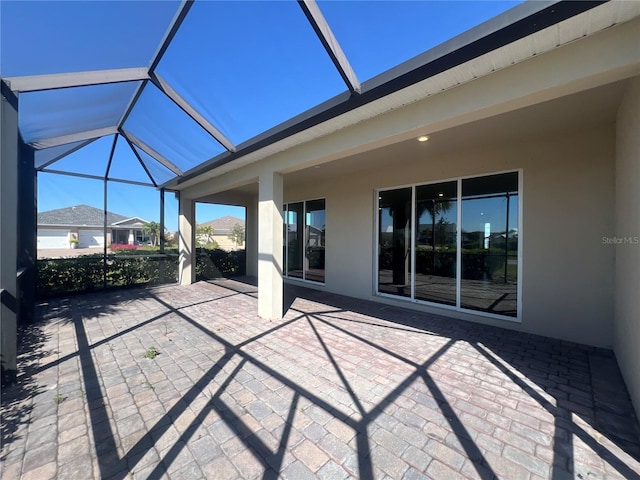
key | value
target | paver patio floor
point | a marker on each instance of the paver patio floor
(340, 388)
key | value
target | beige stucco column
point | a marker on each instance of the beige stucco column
(251, 238)
(8, 235)
(187, 233)
(627, 241)
(270, 289)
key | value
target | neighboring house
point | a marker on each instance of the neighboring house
(56, 228)
(130, 231)
(222, 231)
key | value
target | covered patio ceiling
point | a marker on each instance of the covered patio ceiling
(588, 108)
(154, 93)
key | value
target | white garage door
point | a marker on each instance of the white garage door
(52, 238)
(90, 238)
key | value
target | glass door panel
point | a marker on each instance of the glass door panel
(315, 240)
(294, 239)
(394, 242)
(436, 242)
(489, 280)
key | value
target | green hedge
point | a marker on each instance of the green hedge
(68, 275)
(63, 276)
(218, 263)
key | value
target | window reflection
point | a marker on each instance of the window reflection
(304, 240)
(394, 237)
(489, 280)
(472, 264)
(294, 239)
(315, 241)
(435, 241)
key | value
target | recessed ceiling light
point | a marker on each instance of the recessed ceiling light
(423, 138)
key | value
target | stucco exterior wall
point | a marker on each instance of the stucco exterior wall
(568, 176)
(225, 243)
(567, 200)
(627, 261)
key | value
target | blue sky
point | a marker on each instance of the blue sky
(246, 66)
(60, 191)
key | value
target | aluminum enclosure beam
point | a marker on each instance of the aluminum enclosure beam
(73, 137)
(36, 83)
(166, 41)
(68, 152)
(174, 26)
(27, 233)
(135, 152)
(151, 152)
(113, 149)
(330, 43)
(168, 90)
(97, 177)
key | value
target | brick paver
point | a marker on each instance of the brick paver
(340, 388)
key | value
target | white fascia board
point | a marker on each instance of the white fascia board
(34, 83)
(140, 220)
(73, 137)
(192, 112)
(151, 152)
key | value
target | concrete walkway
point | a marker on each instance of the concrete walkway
(69, 252)
(340, 388)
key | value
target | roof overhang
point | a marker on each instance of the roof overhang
(522, 23)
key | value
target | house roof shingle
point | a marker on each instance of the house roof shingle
(224, 224)
(78, 215)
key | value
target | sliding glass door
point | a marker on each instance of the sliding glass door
(453, 243)
(304, 240)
